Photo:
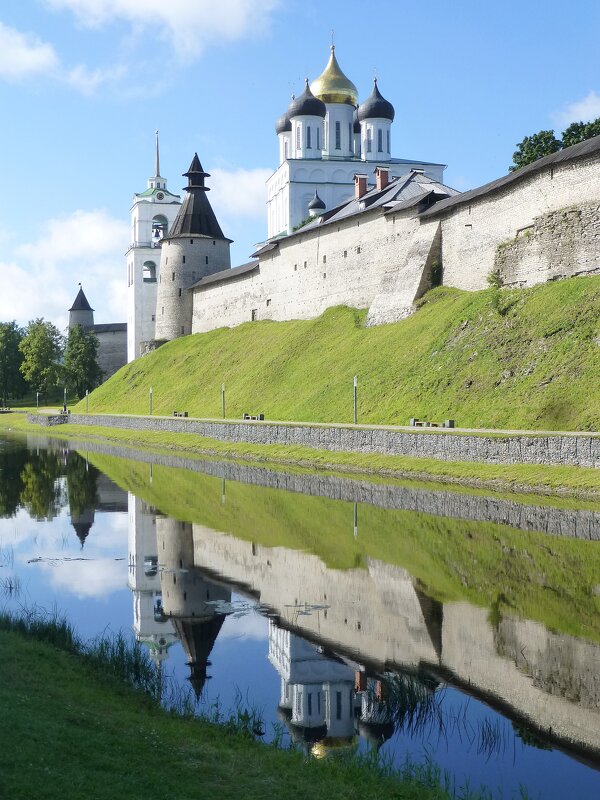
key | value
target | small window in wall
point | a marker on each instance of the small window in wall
(380, 140)
(324, 275)
(297, 137)
(338, 705)
(166, 260)
(172, 276)
(324, 259)
(305, 265)
(184, 259)
(308, 144)
(254, 314)
(191, 241)
(162, 311)
(214, 242)
(309, 698)
(345, 254)
(269, 301)
(295, 267)
(358, 249)
(182, 329)
(318, 138)
(369, 145)
(338, 136)
(388, 140)
(180, 292)
(206, 259)
(153, 317)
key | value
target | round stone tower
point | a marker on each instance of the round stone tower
(194, 248)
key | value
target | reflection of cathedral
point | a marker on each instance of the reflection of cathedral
(324, 700)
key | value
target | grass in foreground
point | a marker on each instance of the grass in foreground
(72, 729)
(520, 358)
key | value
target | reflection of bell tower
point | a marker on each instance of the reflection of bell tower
(152, 214)
(150, 624)
(189, 600)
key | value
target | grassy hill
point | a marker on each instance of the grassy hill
(498, 358)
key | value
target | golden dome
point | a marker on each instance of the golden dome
(332, 86)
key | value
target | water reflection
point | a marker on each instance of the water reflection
(374, 609)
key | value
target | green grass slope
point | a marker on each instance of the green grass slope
(526, 358)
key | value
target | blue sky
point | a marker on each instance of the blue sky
(84, 84)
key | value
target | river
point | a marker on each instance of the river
(411, 619)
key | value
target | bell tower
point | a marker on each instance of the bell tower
(152, 214)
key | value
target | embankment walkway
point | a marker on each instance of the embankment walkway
(480, 446)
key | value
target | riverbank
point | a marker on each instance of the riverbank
(581, 482)
(72, 731)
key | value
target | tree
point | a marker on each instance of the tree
(580, 131)
(81, 361)
(533, 147)
(12, 383)
(545, 142)
(42, 348)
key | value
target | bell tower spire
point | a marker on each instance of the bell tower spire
(157, 160)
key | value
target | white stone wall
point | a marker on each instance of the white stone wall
(472, 232)
(340, 264)
(112, 351)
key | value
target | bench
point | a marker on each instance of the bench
(259, 417)
(180, 413)
(421, 423)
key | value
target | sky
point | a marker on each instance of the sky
(85, 83)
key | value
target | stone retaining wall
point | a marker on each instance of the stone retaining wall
(560, 450)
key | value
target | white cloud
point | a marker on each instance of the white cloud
(87, 80)
(581, 110)
(188, 26)
(23, 56)
(41, 279)
(239, 193)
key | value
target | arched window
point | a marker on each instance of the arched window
(160, 226)
(297, 137)
(308, 145)
(379, 140)
(318, 138)
(338, 136)
(369, 134)
(149, 273)
(388, 141)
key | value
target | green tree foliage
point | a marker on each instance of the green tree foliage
(580, 131)
(12, 383)
(534, 147)
(81, 361)
(544, 143)
(42, 348)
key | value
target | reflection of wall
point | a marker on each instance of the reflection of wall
(376, 612)
(150, 624)
(379, 616)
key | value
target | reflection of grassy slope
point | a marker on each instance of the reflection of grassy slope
(531, 362)
(540, 577)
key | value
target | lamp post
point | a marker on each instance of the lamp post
(150, 400)
(355, 388)
(65, 400)
(223, 399)
(87, 397)
(37, 399)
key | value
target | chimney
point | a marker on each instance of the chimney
(382, 177)
(360, 185)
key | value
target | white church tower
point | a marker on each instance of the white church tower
(152, 214)
(325, 138)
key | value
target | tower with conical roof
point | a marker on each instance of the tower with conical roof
(152, 214)
(194, 248)
(321, 152)
(81, 312)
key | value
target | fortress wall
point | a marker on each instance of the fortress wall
(472, 232)
(339, 264)
(112, 351)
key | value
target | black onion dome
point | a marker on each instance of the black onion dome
(307, 105)
(283, 124)
(376, 106)
(316, 204)
(355, 121)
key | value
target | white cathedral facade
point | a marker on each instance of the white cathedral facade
(325, 139)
